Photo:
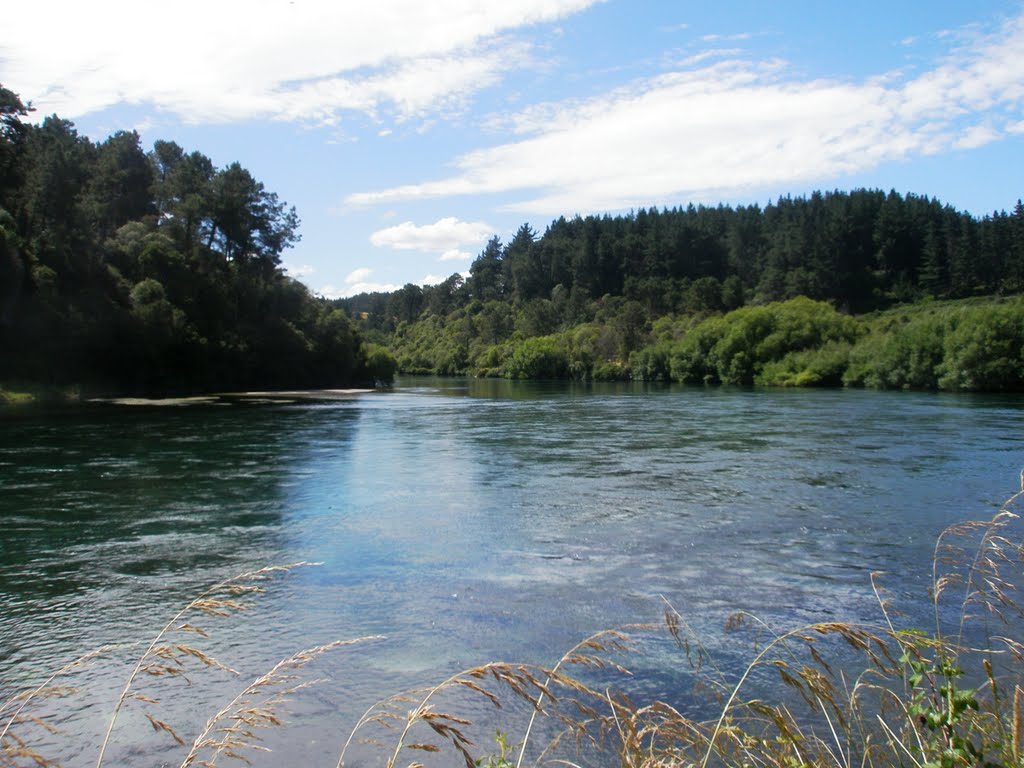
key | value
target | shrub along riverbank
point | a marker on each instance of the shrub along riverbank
(838, 288)
(963, 345)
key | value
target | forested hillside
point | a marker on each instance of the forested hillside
(691, 295)
(124, 270)
(128, 271)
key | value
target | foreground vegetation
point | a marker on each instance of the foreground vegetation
(844, 694)
(126, 271)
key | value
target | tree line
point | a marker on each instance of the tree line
(128, 270)
(155, 272)
(592, 296)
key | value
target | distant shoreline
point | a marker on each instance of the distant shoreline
(247, 396)
(16, 399)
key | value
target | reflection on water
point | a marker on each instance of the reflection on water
(471, 520)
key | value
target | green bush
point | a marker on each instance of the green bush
(689, 361)
(653, 363)
(379, 365)
(541, 357)
(821, 367)
(610, 370)
(734, 349)
(977, 345)
(903, 356)
(984, 350)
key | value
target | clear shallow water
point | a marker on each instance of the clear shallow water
(468, 521)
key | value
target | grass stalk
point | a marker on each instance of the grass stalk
(205, 603)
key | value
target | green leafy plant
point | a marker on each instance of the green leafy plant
(502, 758)
(941, 707)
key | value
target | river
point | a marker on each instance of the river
(467, 521)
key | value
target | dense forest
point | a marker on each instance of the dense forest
(128, 271)
(123, 270)
(800, 292)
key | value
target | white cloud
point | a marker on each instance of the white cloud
(358, 275)
(296, 270)
(977, 136)
(357, 281)
(436, 279)
(304, 60)
(455, 255)
(333, 292)
(445, 234)
(357, 288)
(1015, 127)
(734, 128)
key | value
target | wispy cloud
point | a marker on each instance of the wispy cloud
(737, 127)
(303, 60)
(410, 89)
(727, 38)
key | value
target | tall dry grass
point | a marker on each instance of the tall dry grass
(845, 695)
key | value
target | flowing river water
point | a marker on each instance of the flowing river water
(466, 521)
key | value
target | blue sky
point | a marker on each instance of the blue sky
(408, 133)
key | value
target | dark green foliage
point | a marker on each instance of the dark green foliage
(487, 279)
(157, 273)
(378, 364)
(120, 187)
(13, 133)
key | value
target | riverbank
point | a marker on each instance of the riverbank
(963, 345)
(253, 397)
(22, 396)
